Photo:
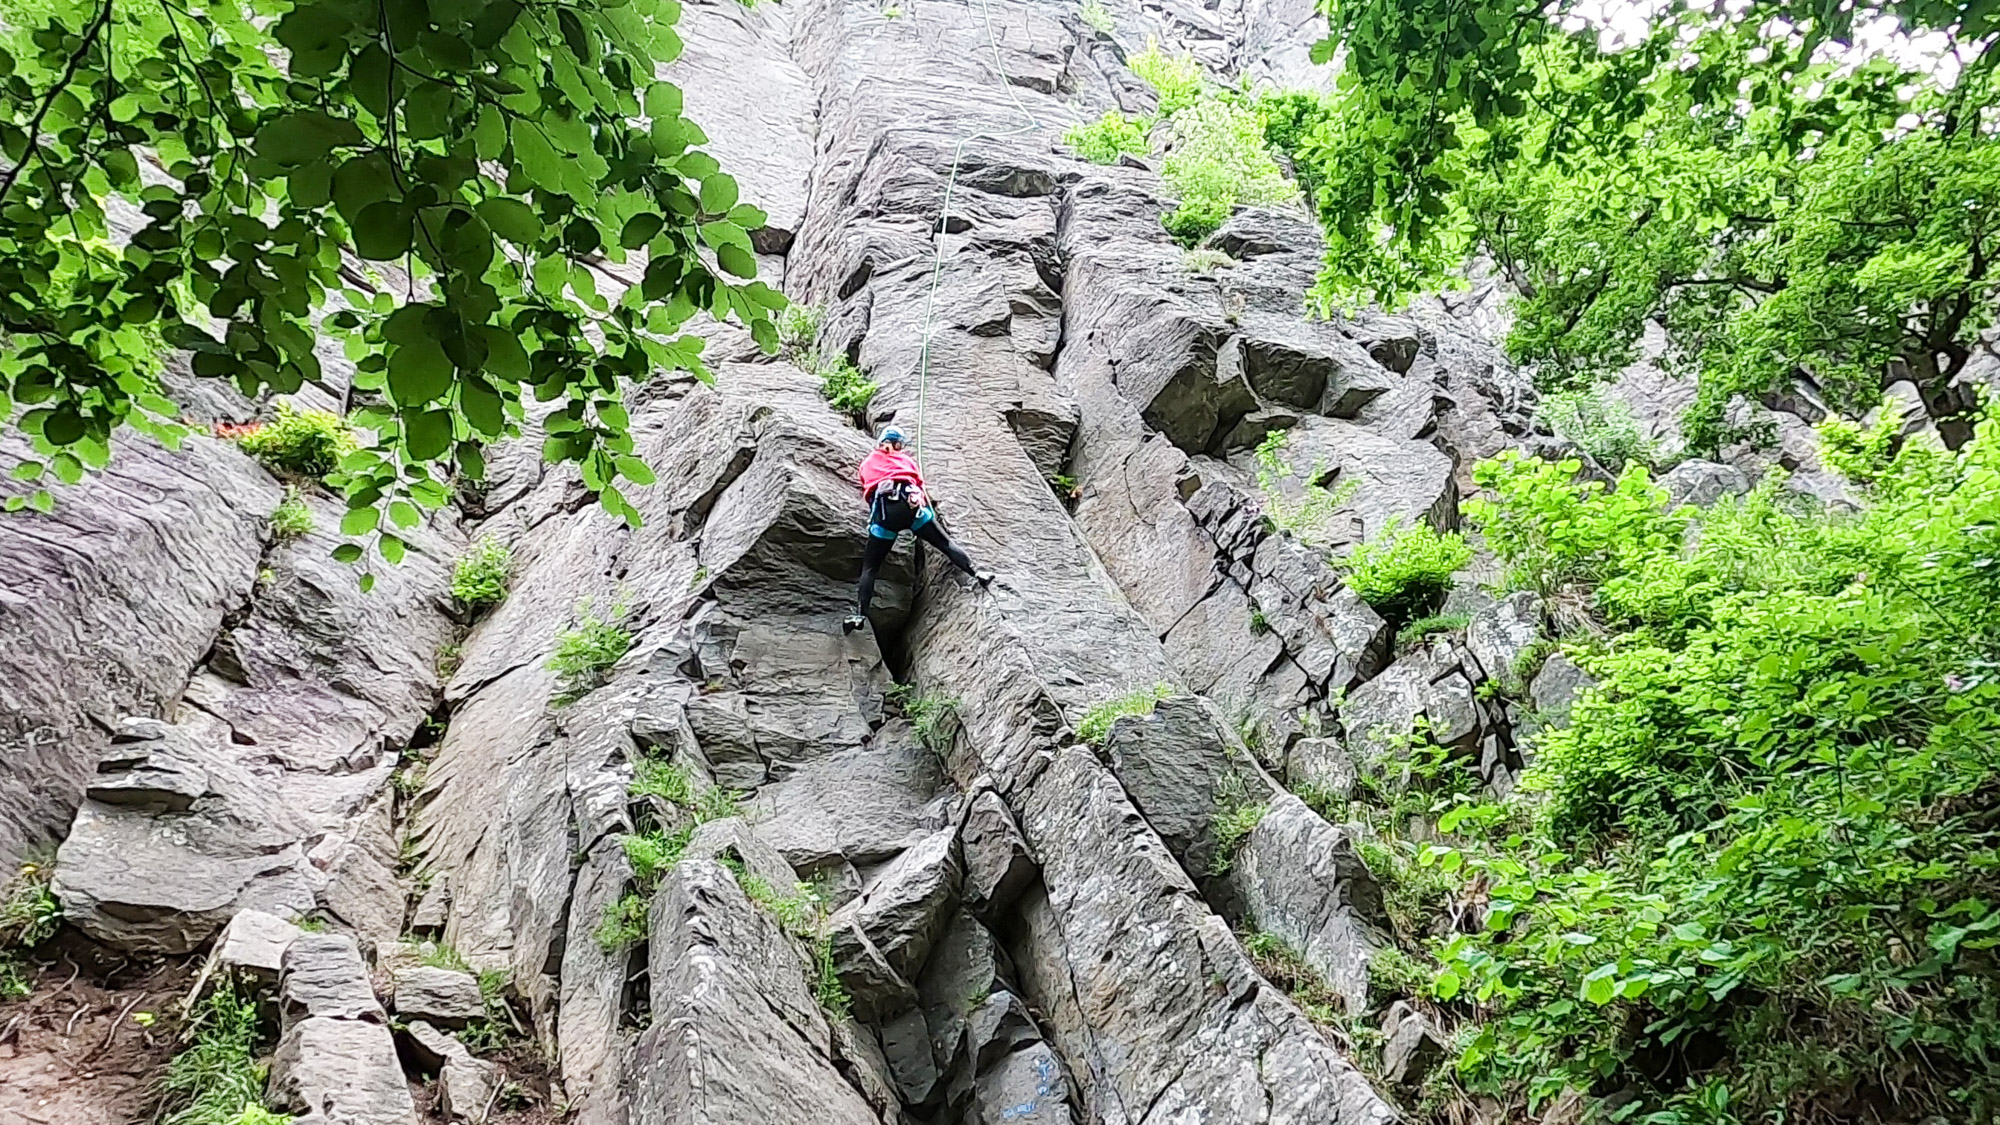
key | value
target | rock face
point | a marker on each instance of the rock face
(907, 889)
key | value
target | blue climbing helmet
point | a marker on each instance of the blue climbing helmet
(892, 434)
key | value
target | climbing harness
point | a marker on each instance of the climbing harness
(944, 222)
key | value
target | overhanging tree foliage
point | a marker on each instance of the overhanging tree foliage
(1780, 208)
(490, 148)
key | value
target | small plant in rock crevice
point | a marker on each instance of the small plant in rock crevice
(798, 332)
(1599, 425)
(655, 851)
(1405, 570)
(803, 915)
(1307, 518)
(292, 519)
(1096, 724)
(843, 385)
(1423, 628)
(217, 1079)
(1206, 261)
(480, 576)
(624, 923)
(300, 443)
(1236, 815)
(1066, 488)
(1097, 17)
(933, 716)
(584, 654)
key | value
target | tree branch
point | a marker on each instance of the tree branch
(75, 64)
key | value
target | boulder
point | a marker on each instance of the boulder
(1502, 633)
(892, 926)
(862, 805)
(1411, 1049)
(1026, 1085)
(443, 997)
(468, 1087)
(1301, 879)
(997, 865)
(428, 1047)
(251, 946)
(1321, 766)
(736, 1037)
(965, 967)
(1179, 764)
(1702, 483)
(336, 1063)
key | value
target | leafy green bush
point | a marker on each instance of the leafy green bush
(1097, 17)
(479, 577)
(1404, 570)
(217, 1080)
(1599, 425)
(1178, 79)
(1104, 140)
(670, 783)
(292, 519)
(586, 653)
(1554, 530)
(1096, 724)
(1768, 830)
(798, 332)
(844, 386)
(302, 443)
(1219, 160)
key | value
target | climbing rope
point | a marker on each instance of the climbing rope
(944, 221)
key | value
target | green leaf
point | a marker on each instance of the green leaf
(360, 521)
(1601, 990)
(392, 548)
(536, 157)
(347, 552)
(489, 136)
(640, 229)
(511, 219)
(663, 99)
(367, 583)
(302, 137)
(419, 372)
(382, 230)
(28, 470)
(404, 514)
(428, 434)
(1447, 984)
(718, 193)
(736, 260)
(482, 408)
(634, 470)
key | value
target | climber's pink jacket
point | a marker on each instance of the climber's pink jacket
(887, 464)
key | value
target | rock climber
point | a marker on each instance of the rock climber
(894, 490)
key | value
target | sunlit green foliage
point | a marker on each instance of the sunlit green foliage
(1768, 831)
(490, 149)
(1779, 212)
(1404, 570)
(1103, 141)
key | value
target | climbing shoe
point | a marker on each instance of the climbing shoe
(852, 623)
(984, 578)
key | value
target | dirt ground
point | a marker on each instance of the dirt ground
(526, 1101)
(85, 1047)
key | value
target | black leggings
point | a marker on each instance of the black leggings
(879, 548)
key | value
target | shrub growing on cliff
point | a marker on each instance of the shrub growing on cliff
(1097, 17)
(1307, 517)
(1177, 79)
(1599, 425)
(1556, 531)
(844, 386)
(1219, 160)
(586, 653)
(1109, 137)
(292, 519)
(1096, 724)
(1404, 571)
(480, 576)
(933, 716)
(1768, 830)
(300, 443)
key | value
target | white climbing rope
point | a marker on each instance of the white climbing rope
(944, 221)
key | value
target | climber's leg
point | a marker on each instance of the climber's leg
(879, 545)
(927, 529)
